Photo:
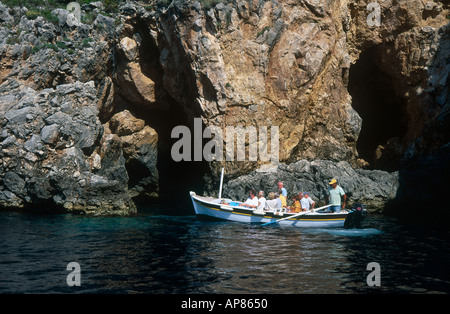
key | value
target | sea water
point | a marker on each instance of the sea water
(160, 254)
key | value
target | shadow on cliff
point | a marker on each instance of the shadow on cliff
(424, 174)
(381, 109)
(423, 162)
(177, 179)
(422, 196)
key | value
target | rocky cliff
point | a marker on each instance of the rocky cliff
(374, 188)
(87, 107)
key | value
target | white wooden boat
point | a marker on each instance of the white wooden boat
(226, 209)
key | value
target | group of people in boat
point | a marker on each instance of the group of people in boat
(277, 201)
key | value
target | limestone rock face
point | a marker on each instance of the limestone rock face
(263, 64)
(287, 64)
(87, 108)
(54, 152)
(139, 145)
(373, 188)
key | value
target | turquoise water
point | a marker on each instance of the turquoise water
(151, 253)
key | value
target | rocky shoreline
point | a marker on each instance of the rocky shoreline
(49, 152)
(374, 188)
(87, 108)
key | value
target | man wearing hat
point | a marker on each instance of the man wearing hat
(336, 196)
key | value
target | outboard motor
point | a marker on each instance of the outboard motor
(356, 216)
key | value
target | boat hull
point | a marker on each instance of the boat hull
(211, 208)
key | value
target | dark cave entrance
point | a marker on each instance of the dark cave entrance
(381, 109)
(176, 179)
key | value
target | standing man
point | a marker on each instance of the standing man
(281, 189)
(336, 196)
(282, 194)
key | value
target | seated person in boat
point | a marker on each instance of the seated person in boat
(273, 203)
(296, 207)
(252, 201)
(261, 200)
(311, 202)
(304, 203)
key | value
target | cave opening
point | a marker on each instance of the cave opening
(175, 179)
(381, 109)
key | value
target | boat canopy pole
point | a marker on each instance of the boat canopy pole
(221, 182)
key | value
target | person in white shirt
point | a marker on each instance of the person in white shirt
(273, 204)
(252, 201)
(303, 202)
(311, 202)
(261, 200)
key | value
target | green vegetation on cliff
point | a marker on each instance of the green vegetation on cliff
(43, 8)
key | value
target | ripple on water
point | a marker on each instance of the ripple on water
(180, 254)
